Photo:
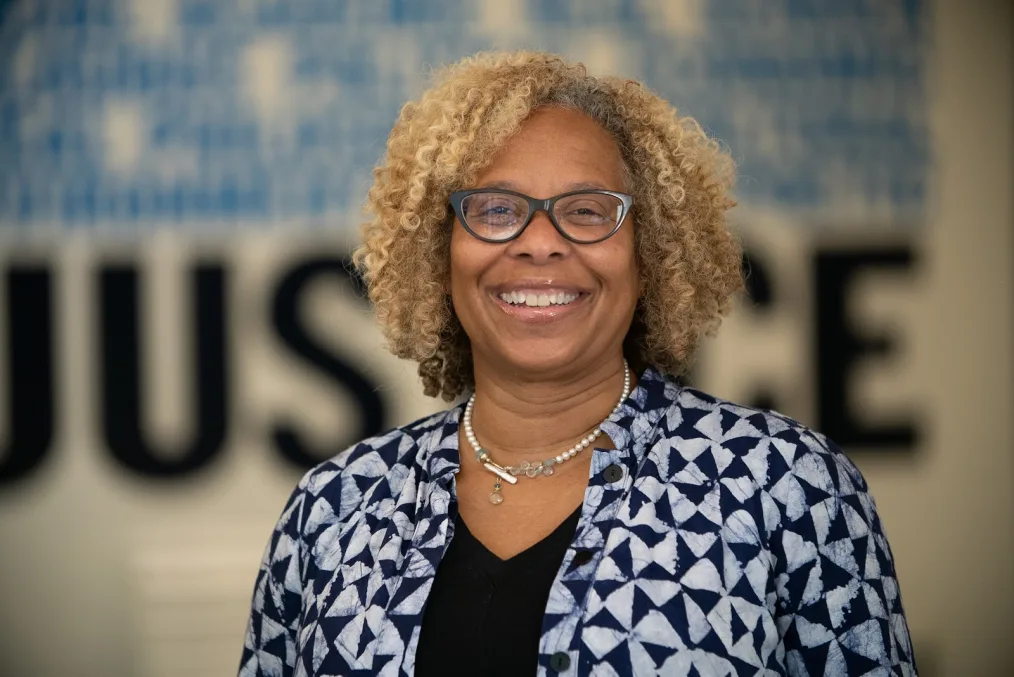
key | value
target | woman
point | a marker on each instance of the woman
(553, 246)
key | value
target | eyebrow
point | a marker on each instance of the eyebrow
(510, 185)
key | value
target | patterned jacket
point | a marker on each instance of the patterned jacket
(733, 542)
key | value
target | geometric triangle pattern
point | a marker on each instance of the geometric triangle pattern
(734, 542)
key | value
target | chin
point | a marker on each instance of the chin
(542, 356)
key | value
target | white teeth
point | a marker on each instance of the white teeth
(537, 300)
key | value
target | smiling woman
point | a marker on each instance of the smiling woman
(554, 246)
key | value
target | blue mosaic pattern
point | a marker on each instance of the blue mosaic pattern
(734, 542)
(256, 112)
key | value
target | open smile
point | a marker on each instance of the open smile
(538, 299)
(539, 305)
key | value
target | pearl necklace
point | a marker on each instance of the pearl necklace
(510, 473)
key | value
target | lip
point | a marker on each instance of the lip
(538, 314)
(537, 285)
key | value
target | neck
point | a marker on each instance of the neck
(517, 419)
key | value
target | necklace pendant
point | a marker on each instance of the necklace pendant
(496, 498)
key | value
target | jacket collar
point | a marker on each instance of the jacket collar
(630, 428)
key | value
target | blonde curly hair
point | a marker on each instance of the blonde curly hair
(689, 262)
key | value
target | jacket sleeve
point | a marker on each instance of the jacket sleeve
(269, 649)
(838, 606)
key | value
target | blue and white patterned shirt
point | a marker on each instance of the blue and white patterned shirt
(733, 542)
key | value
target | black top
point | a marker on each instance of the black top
(484, 614)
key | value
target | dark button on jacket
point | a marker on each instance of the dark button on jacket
(613, 473)
(559, 661)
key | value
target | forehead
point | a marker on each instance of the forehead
(557, 146)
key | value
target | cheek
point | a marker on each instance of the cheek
(633, 268)
(634, 282)
(623, 264)
(466, 260)
(459, 257)
(637, 282)
(452, 263)
(618, 271)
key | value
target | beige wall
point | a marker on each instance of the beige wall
(954, 515)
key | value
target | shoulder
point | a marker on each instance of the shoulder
(760, 471)
(395, 446)
(339, 486)
(775, 452)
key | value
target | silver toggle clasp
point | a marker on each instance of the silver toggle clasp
(500, 472)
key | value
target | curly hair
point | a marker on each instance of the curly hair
(689, 262)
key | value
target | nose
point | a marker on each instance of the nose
(540, 242)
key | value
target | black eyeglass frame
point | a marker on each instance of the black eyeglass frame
(536, 205)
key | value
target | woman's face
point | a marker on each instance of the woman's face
(595, 285)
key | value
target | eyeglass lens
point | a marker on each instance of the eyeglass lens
(583, 216)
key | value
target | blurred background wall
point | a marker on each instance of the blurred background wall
(180, 185)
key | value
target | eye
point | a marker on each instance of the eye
(493, 209)
(588, 211)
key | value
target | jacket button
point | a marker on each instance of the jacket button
(613, 473)
(559, 661)
(582, 557)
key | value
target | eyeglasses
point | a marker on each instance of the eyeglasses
(583, 216)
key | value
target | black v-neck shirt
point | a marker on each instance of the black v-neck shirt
(484, 614)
